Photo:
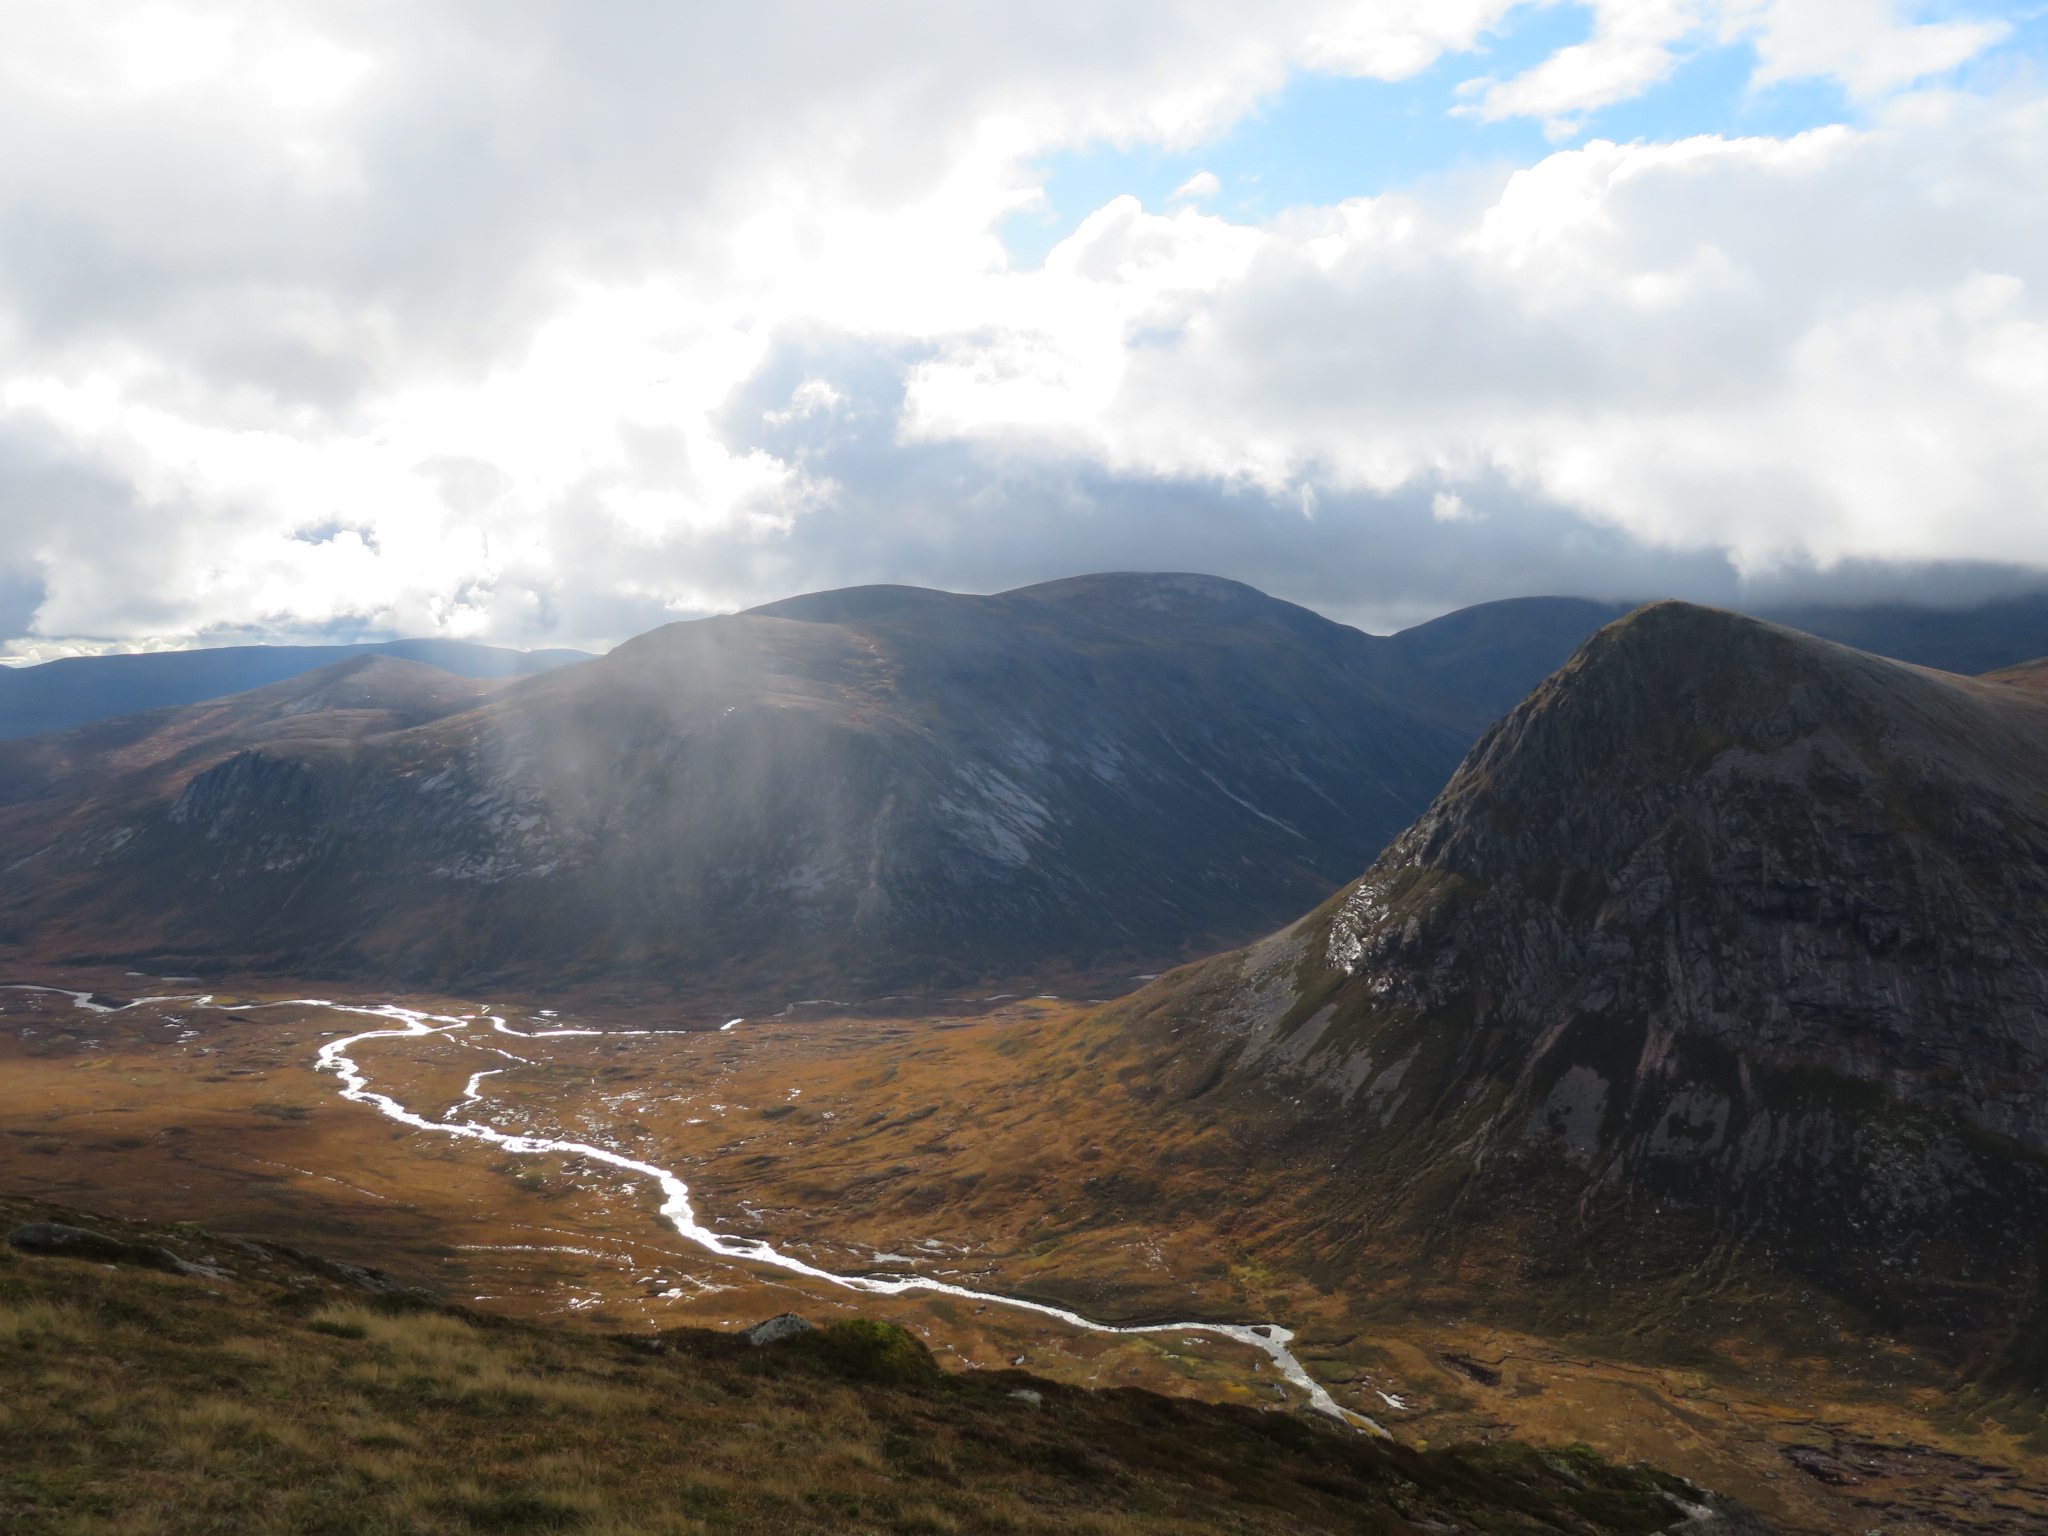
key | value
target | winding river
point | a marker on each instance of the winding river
(1268, 1338)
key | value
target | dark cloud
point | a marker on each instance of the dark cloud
(969, 516)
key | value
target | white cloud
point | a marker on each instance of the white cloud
(1870, 47)
(1632, 48)
(1826, 347)
(504, 289)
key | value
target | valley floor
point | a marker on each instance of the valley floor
(949, 1148)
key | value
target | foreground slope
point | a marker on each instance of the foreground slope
(1717, 975)
(871, 790)
(275, 1393)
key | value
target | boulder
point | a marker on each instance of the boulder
(785, 1325)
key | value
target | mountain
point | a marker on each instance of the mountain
(1710, 998)
(1970, 640)
(870, 790)
(1473, 666)
(73, 691)
(1470, 666)
(851, 792)
(1476, 664)
(365, 695)
(72, 802)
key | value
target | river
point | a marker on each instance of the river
(1270, 1339)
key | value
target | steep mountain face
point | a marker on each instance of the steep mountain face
(1722, 962)
(879, 789)
(77, 690)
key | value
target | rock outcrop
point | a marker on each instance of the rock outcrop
(60, 1240)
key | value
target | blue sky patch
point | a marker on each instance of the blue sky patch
(1324, 138)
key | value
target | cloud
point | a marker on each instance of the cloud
(1820, 348)
(1633, 46)
(1870, 47)
(544, 323)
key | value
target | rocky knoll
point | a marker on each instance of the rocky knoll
(1716, 977)
(872, 790)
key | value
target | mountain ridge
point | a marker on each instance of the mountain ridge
(866, 791)
(1469, 666)
(356, 696)
(949, 791)
(72, 691)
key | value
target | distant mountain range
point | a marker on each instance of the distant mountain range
(1487, 658)
(855, 792)
(1472, 665)
(1710, 994)
(76, 690)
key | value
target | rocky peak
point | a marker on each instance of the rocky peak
(1725, 929)
(1731, 830)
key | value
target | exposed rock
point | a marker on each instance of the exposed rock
(784, 1325)
(57, 1240)
(367, 1278)
(1711, 1514)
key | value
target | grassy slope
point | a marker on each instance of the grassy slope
(138, 1402)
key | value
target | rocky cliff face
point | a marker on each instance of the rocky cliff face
(1725, 953)
(881, 789)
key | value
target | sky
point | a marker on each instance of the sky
(543, 324)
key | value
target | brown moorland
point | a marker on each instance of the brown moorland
(998, 1187)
